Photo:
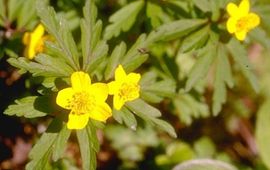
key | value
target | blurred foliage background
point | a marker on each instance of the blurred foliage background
(218, 102)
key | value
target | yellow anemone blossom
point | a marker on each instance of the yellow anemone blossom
(124, 88)
(241, 20)
(34, 41)
(85, 100)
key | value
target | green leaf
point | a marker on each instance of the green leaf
(117, 54)
(2, 12)
(42, 150)
(223, 75)
(27, 13)
(195, 40)
(134, 54)
(50, 66)
(60, 143)
(164, 88)
(204, 164)
(151, 97)
(179, 152)
(260, 36)
(201, 67)
(204, 148)
(53, 49)
(153, 90)
(203, 5)
(11, 53)
(132, 143)
(124, 115)
(96, 35)
(142, 108)
(240, 56)
(135, 62)
(89, 145)
(30, 107)
(87, 29)
(58, 28)
(165, 126)
(215, 9)
(98, 56)
(45, 66)
(262, 132)
(177, 29)
(188, 107)
(150, 114)
(154, 12)
(14, 9)
(123, 19)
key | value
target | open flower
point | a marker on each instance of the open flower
(241, 20)
(124, 88)
(85, 100)
(34, 41)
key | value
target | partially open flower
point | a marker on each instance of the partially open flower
(241, 21)
(34, 41)
(124, 88)
(85, 100)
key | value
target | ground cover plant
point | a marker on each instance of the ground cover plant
(135, 84)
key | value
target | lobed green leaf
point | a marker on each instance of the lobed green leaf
(150, 114)
(262, 132)
(42, 150)
(240, 56)
(201, 67)
(60, 143)
(195, 40)
(123, 19)
(87, 30)
(30, 107)
(177, 29)
(89, 145)
(125, 116)
(223, 75)
(58, 28)
(188, 107)
(117, 54)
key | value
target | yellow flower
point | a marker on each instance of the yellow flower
(34, 41)
(241, 20)
(85, 100)
(124, 88)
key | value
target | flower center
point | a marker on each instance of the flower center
(81, 103)
(129, 91)
(243, 24)
(39, 48)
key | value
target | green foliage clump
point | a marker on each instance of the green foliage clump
(199, 84)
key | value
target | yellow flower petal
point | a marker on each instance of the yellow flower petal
(100, 91)
(254, 20)
(26, 38)
(64, 96)
(244, 7)
(133, 78)
(101, 113)
(80, 81)
(120, 73)
(113, 87)
(76, 121)
(231, 25)
(118, 102)
(135, 95)
(241, 35)
(35, 37)
(232, 9)
(39, 31)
